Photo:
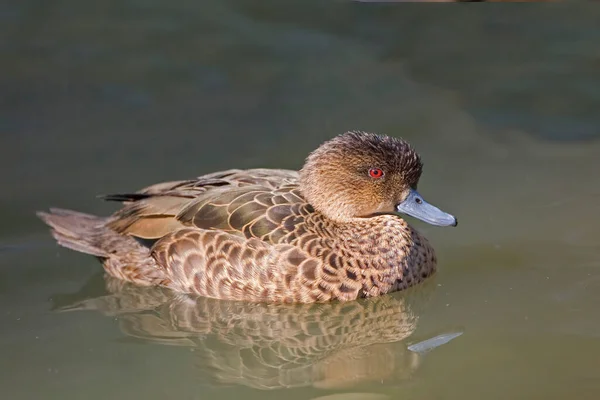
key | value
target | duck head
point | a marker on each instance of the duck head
(360, 175)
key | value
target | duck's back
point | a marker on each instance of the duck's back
(248, 203)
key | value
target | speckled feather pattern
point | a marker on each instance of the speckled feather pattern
(312, 262)
(253, 235)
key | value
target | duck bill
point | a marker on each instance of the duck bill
(415, 206)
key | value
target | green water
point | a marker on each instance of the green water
(501, 102)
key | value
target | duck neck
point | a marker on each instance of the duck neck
(372, 227)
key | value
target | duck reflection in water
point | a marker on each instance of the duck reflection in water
(268, 346)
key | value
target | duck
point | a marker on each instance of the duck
(335, 230)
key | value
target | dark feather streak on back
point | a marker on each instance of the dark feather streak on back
(145, 242)
(125, 197)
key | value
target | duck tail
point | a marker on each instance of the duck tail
(123, 257)
(76, 231)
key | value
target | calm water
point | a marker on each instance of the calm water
(501, 103)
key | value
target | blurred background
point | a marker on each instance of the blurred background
(501, 102)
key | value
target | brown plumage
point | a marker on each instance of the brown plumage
(330, 231)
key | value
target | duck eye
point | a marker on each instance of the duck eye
(375, 173)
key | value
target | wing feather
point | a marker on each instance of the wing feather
(247, 203)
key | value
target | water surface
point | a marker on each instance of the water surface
(502, 105)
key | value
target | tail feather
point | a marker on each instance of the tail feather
(74, 230)
(123, 257)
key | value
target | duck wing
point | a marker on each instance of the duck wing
(260, 203)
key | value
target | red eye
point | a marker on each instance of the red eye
(375, 173)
